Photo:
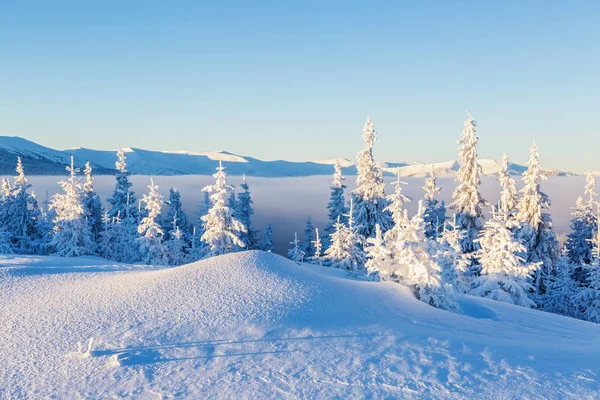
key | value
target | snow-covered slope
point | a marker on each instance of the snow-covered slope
(37, 159)
(255, 325)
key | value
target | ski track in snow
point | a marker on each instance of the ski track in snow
(255, 325)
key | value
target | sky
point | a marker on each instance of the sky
(296, 80)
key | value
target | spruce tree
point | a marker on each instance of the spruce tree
(309, 237)
(379, 257)
(562, 291)
(151, 246)
(71, 232)
(435, 211)
(92, 207)
(123, 201)
(243, 213)
(468, 202)
(318, 246)
(337, 203)
(588, 298)
(175, 214)
(508, 195)
(267, 244)
(221, 230)
(454, 263)
(345, 251)
(536, 231)
(504, 273)
(369, 196)
(176, 246)
(295, 253)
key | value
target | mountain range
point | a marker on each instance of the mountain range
(41, 160)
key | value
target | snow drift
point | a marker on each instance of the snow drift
(254, 324)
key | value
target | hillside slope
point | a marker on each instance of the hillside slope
(255, 325)
(37, 159)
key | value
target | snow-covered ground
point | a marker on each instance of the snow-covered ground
(256, 325)
(287, 202)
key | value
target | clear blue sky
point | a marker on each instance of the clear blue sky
(296, 80)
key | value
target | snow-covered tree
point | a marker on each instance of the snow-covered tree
(92, 207)
(454, 263)
(267, 243)
(71, 232)
(175, 214)
(18, 215)
(588, 298)
(582, 232)
(309, 237)
(369, 196)
(152, 249)
(318, 246)
(536, 231)
(244, 212)
(414, 264)
(176, 246)
(198, 249)
(295, 253)
(561, 294)
(221, 230)
(435, 211)
(378, 255)
(468, 202)
(337, 203)
(123, 201)
(111, 238)
(345, 251)
(508, 195)
(505, 274)
(396, 209)
(583, 226)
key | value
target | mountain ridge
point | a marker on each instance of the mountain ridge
(41, 160)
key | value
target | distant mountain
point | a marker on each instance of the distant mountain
(40, 160)
(37, 159)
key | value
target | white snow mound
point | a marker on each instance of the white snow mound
(256, 325)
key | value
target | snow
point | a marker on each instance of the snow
(255, 325)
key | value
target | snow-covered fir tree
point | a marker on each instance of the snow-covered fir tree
(243, 213)
(295, 253)
(175, 214)
(110, 239)
(508, 195)
(454, 263)
(561, 294)
(468, 202)
(71, 232)
(413, 263)
(505, 274)
(337, 203)
(92, 207)
(396, 209)
(536, 231)
(309, 237)
(21, 225)
(379, 257)
(198, 247)
(318, 246)
(123, 200)
(221, 230)
(345, 250)
(369, 195)
(267, 243)
(583, 226)
(152, 249)
(588, 297)
(435, 211)
(582, 232)
(176, 246)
